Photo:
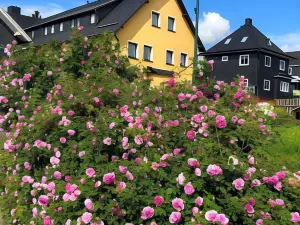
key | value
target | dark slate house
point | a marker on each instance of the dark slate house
(294, 69)
(250, 53)
(10, 29)
(96, 17)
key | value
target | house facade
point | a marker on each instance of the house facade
(157, 35)
(248, 52)
(295, 70)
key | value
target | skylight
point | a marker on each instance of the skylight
(244, 39)
(227, 41)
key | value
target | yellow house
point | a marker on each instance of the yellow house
(160, 38)
(157, 35)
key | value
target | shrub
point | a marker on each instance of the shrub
(88, 144)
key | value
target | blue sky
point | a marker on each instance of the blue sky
(277, 19)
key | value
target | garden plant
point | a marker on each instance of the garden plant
(89, 141)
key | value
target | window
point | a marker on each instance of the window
(269, 42)
(244, 60)
(61, 27)
(52, 29)
(78, 22)
(227, 41)
(290, 70)
(93, 18)
(155, 19)
(46, 31)
(224, 58)
(284, 86)
(268, 61)
(183, 60)
(267, 85)
(170, 57)
(244, 39)
(72, 23)
(147, 53)
(246, 82)
(282, 65)
(32, 34)
(171, 24)
(132, 50)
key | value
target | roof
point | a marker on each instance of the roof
(22, 20)
(256, 41)
(17, 31)
(295, 61)
(73, 12)
(160, 71)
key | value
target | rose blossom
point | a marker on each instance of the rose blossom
(109, 178)
(147, 213)
(158, 200)
(178, 204)
(189, 189)
(175, 217)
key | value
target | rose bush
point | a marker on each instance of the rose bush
(89, 142)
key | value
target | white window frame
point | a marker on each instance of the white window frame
(151, 55)
(266, 61)
(270, 43)
(137, 49)
(290, 70)
(52, 29)
(282, 69)
(93, 18)
(45, 31)
(246, 82)
(240, 61)
(32, 34)
(269, 85)
(284, 86)
(244, 39)
(158, 22)
(72, 23)
(224, 58)
(78, 22)
(228, 40)
(173, 56)
(61, 27)
(186, 59)
(174, 25)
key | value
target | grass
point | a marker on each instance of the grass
(285, 150)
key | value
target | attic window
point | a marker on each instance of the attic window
(269, 42)
(227, 41)
(244, 39)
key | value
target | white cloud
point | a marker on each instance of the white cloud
(213, 28)
(46, 10)
(288, 42)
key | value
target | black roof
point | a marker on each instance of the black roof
(24, 21)
(296, 55)
(255, 41)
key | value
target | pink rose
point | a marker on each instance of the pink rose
(90, 172)
(86, 217)
(238, 184)
(43, 200)
(259, 222)
(175, 217)
(221, 122)
(199, 201)
(180, 179)
(158, 200)
(89, 204)
(147, 213)
(109, 178)
(211, 215)
(198, 172)
(107, 141)
(71, 132)
(214, 170)
(295, 217)
(189, 189)
(181, 97)
(63, 140)
(123, 169)
(249, 209)
(178, 204)
(191, 134)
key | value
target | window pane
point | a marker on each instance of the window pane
(171, 24)
(183, 59)
(169, 57)
(78, 22)
(155, 17)
(132, 50)
(72, 22)
(147, 53)
(93, 18)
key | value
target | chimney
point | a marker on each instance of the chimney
(248, 21)
(36, 14)
(14, 9)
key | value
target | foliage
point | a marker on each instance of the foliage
(88, 144)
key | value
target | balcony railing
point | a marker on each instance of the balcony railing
(288, 102)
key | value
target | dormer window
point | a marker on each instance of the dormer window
(244, 39)
(227, 41)
(269, 42)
